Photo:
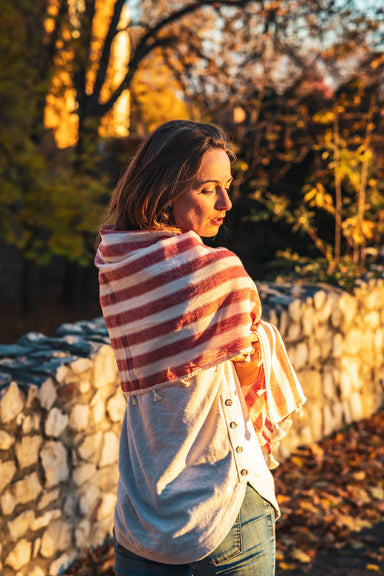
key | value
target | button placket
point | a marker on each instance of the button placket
(233, 420)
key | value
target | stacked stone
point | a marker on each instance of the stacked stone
(60, 412)
(335, 341)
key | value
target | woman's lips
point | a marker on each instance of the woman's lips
(217, 221)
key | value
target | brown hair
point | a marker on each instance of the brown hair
(166, 163)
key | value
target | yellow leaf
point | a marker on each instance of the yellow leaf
(310, 195)
(326, 503)
(367, 228)
(360, 475)
(241, 165)
(377, 493)
(372, 567)
(297, 461)
(285, 566)
(301, 556)
(282, 499)
(307, 506)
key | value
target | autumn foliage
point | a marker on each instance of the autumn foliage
(298, 86)
(332, 496)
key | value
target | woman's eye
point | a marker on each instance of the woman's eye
(207, 191)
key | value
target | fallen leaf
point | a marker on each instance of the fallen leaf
(308, 506)
(285, 566)
(377, 492)
(297, 461)
(300, 556)
(360, 475)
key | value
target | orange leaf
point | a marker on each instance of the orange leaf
(285, 566)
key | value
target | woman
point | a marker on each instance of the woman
(208, 384)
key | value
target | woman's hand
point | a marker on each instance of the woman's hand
(249, 368)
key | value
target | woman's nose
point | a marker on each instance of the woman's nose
(223, 201)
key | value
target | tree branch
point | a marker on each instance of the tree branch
(82, 54)
(150, 40)
(106, 53)
(90, 9)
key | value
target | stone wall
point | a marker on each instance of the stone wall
(61, 411)
(60, 414)
(335, 341)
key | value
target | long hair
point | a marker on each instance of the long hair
(165, 165)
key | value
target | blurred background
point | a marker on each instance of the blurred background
(298, 85)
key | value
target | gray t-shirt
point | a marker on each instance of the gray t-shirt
(187, 453)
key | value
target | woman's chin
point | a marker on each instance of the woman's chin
(209, 234)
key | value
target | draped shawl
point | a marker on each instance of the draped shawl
(174, 306)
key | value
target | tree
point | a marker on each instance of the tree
(291, 71)
(264, 58)
(156, 96)
(57, 48)
(47, 40)
(347, 183)
(162, 29)
(338, 198)
(51, 199)
(47, 209)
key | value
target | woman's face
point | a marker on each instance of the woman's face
(203, 206)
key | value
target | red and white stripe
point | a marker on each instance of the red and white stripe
(174, 306)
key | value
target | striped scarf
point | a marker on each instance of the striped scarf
(174, 307)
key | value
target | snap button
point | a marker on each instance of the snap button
(233, 425)
(228, 402)
(244, 472)
(239, 449)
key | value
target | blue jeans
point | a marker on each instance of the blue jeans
(247, 550)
